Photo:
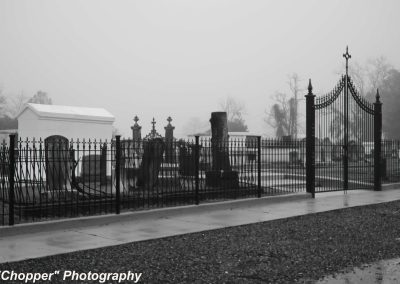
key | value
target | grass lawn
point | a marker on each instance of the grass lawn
(291, 250)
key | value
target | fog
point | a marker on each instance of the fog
(180, 58)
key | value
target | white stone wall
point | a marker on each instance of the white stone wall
(31, 126)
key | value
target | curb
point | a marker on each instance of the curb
(159, 213)
(389, 186)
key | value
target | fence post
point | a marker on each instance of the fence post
(377, 143)
(196, 169)
(11, 176)
(310, 141)
(117, 173)
(259, 166)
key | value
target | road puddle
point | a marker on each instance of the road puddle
(382, 272)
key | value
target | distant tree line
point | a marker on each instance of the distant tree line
(10, 107)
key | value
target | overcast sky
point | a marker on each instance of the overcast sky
(180, 58)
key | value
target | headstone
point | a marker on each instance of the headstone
(169, 142)
(326, 150)
(153, 151)
(294, 157)
(337, 152)
(251, 148)
(58, 164)
(94, 166)
(91, 168)
(187, 162)
(131, 154)
(356, 151)
(221, 173)
(130, 163)
(391, 167)
(287, 140)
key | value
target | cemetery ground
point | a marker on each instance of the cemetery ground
(299, 249)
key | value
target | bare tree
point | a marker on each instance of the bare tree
(16, 103)
(369, 76)
(234, 110)
(283, 115)
(378, 70)
(3, 104)
(294, 104)
(6, 122)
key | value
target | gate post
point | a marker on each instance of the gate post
(11, 177)
(310, 141)
(117, 174)
(377, 143)
(259, 191)
(196, 168)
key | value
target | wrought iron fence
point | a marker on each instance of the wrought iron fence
(4, 185)
(57, 178)
(282, 166)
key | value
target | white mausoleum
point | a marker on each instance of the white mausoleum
(41, 121)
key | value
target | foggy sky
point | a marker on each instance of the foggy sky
(180, 58)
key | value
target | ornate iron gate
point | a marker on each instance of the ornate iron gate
(343, 147)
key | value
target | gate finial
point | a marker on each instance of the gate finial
(309, 87)
(347, 56)
(377, 96)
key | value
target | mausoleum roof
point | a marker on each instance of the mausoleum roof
(69, 112)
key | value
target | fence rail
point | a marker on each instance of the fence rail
(42, 180)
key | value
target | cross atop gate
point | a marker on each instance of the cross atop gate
(347, 56)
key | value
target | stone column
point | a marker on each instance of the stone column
(221, 174)
(378, 163)
(219, 142)
(136, 130)
(134, 154)
(310, 140)
(169, 142)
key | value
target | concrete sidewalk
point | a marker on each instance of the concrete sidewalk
(56, 237)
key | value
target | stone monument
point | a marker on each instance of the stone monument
(153, 151)
(221, 173)
(169, 142)
(58, 167)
